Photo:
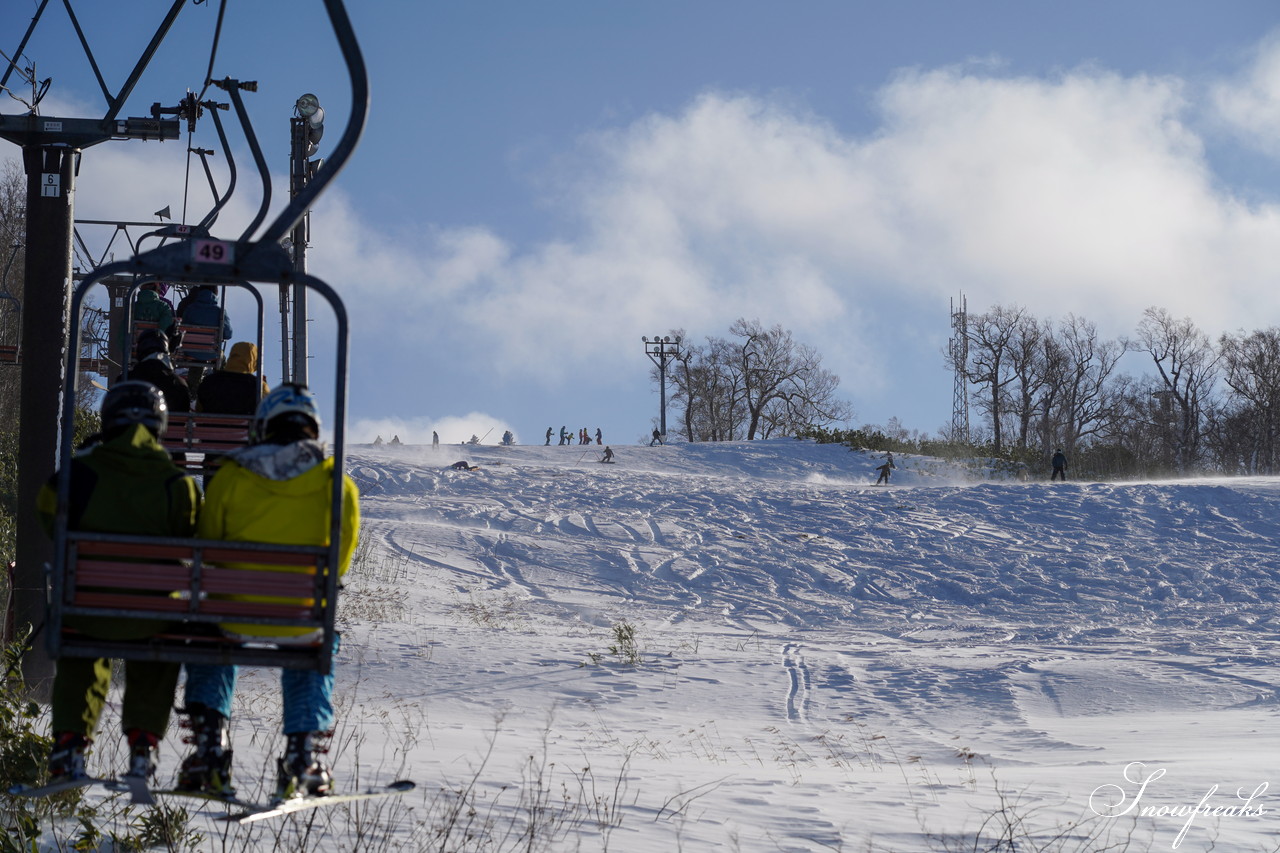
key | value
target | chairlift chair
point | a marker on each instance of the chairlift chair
(195, 438)
(178, 582)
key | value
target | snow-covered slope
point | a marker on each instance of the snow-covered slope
(822, 664)
(748, 646)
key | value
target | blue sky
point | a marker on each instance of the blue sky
(540, 184)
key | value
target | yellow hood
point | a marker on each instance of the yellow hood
(243, 358)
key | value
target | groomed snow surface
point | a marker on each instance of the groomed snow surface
(747, 646)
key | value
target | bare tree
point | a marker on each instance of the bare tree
(708, 387)
(13, 227)
(1251, 369)
(991, 362)
(760, 384)
(1143, 426)
(786, 386)
(1088, 399)
(1187, 367)
(1027, 367)
(681, 378)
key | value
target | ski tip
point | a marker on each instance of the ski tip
(402, 785)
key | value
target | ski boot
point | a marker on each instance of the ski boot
(66, 759)
(299, 773)
(143, 749)
(208, 768)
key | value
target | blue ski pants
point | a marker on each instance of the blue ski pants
(307, 695)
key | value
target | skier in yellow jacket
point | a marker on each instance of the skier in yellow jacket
(277, 490)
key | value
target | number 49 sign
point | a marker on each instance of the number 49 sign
(214, 251)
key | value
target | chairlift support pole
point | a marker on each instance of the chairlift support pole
(298, 238)
(51, 149)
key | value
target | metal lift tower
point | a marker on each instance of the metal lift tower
(959, 361)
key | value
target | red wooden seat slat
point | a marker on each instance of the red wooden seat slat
(213, 581)
(253, 582)
(134, 552)
(201, 346)
(123, 601)
(222, 607)
(191, 436)
(169, 608)
(157, 577)
(219, 554)
(157, 551)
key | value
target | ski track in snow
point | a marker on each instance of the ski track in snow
(825, 655)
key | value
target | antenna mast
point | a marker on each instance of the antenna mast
(960, 362)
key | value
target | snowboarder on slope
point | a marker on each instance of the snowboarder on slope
(885, 469)
(1059, 466)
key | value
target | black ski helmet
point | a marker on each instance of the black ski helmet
(151, 341)
(135, 402)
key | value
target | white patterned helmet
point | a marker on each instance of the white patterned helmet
(288, 398)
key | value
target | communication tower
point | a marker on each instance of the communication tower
(959, 362)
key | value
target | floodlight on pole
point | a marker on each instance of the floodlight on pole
(661, 349)
(308, 107)
(307, 128)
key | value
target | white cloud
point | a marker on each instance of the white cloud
(1088, 192)
(1085, 193)
(1250, 103)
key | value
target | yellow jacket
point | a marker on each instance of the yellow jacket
(243, 506)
